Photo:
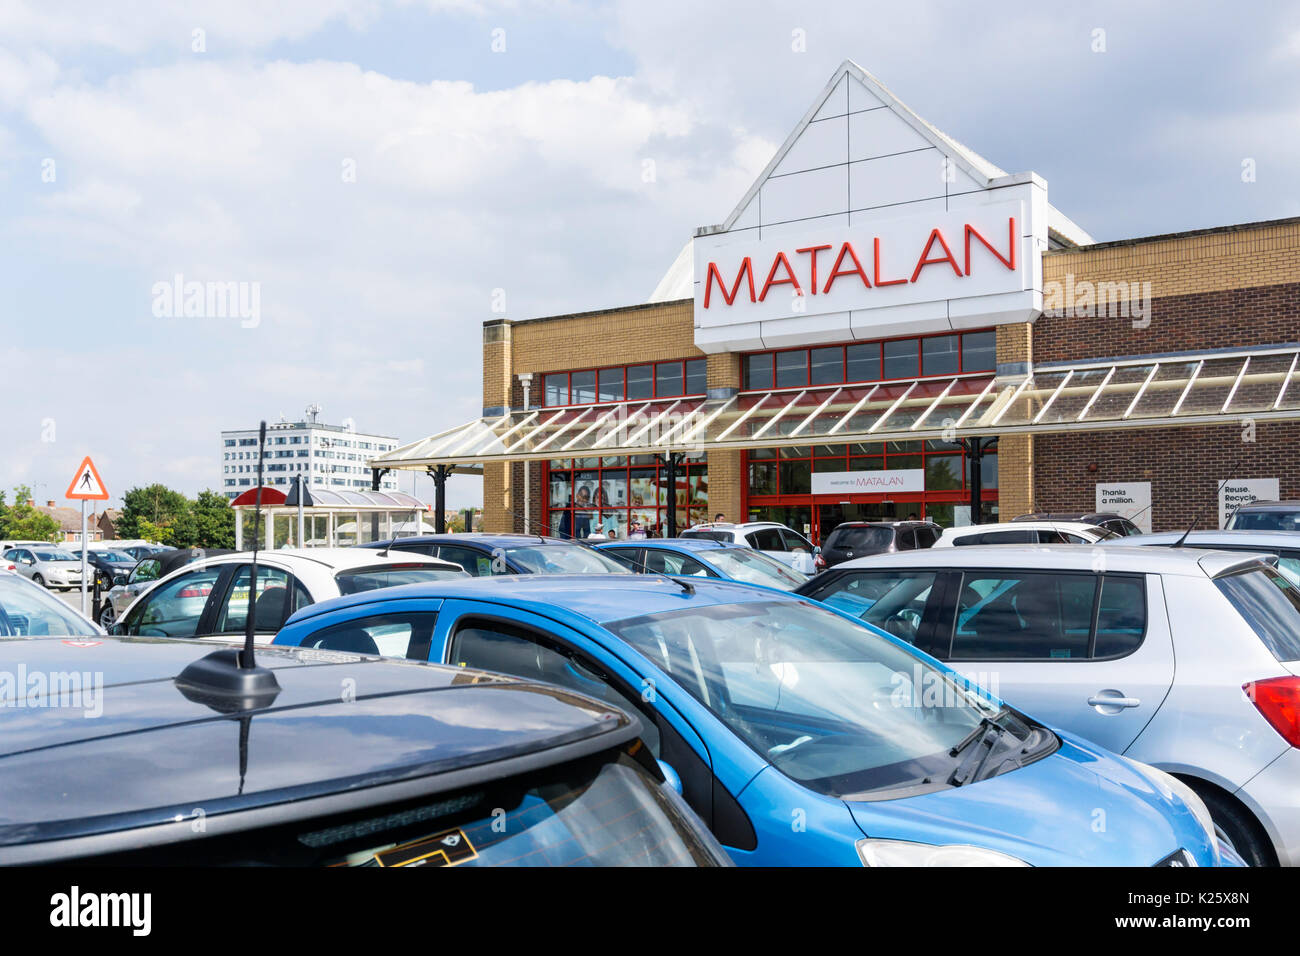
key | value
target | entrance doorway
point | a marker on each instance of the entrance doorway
(828, 516)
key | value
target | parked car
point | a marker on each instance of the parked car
(774, 540)
(28, 610)
(1266, 516)
(422, 766)
(1111, 522)
(1285, 545)
(108, 567)
(855, 539)
(702, 557)
(1088, 638)
(1026, 532)
(208, 598)
(487, 554)
(799, 735)
(9, 545)
(46, 565)
(142, 551)
(147, 572)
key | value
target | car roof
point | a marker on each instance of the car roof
(1271, 506)
(599, 598)
(902, 522)
(159, 748)
(1195, 562)
(1210, 537)
(482, 539)
(1043, 525)
(681, 544)
(335, 559)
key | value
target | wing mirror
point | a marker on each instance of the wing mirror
(670, 776)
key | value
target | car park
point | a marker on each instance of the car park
(1285, 545)
(799, 735)
(1103, 519)
(27, 610)
(209, 598)
(487, 554)
(774, 540)
(1266, 516)
(153, 566)
(856, 539)
(46, 565)
(108, 567)
(422, 766)
(1026, 532)
(702, 557)
(1182, 658)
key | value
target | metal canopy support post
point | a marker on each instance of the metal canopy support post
(975, 449)
(670, 461)
(376, 476)
(439, 475)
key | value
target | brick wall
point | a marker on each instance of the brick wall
(1184, 466)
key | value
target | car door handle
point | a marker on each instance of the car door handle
(1101, 701)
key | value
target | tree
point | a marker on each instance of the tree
(21, 520)
(153, 509)
(214, 521)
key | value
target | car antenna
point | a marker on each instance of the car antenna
(686, 586)
(1232, 471)
(229, 679)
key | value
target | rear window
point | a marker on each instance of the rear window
(356, 580)
(1265, 521)
(1270, 603)
(708, 535)
(861, 539)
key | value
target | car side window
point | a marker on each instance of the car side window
(475, 562)
(276, 600)
(629, 556)
(1121, 615)
(521, 652)
(146, 570)
(766, 539)
(669, 562)
(893, 600)
(793, 540)
(173, 609)
(406, 634)
(906, 540)
(1014, 615)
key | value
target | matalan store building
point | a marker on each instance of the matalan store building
(889, 325)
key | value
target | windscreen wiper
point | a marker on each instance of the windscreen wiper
(987, 734)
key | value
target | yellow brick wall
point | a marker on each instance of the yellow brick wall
(651, 333)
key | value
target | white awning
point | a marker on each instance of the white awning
(1203, 388)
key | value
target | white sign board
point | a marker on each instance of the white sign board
(1234, 494)
(868, 482)
(1129, 499)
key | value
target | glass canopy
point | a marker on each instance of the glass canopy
(1149, 392)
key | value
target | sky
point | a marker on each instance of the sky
(378, 178)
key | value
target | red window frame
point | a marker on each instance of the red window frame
(623, 369)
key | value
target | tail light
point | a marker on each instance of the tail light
(1278, 699)
(203, 590)
(819, 562)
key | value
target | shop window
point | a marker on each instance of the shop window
(762, 478)
(611, 385)
(557, 389)
(668, 379)
(939, 355)
(640, 382)
(988, 471)
(827, 366)
(796, 477)
(791, 369)
(758, 371)
(942, 472)
(696, 377)
(901, 358)
(978, 351)
(863, 362)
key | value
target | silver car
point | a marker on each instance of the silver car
(1087, 637)
(48, 566)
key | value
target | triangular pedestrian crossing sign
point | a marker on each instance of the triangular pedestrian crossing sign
(86, 483)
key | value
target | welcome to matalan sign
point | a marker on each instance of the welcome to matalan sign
(978, 251)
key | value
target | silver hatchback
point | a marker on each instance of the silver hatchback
(49, 567)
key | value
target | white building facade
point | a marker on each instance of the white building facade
(331, 456)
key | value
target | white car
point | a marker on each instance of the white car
(773, 539)
(208, 598)
(47, 565)
(1086, 639)
(28, 610)
(1024, 532)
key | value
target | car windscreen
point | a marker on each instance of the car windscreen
(828, 702)
(753, 567)
(26, 610)
(1269, 601)
(55, 556)
(861, 539)
(356, 580)
(1265, 521)
(605, 810)
(117, 557)
(564, 559)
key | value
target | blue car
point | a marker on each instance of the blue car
(704, 557)
(799, 735)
